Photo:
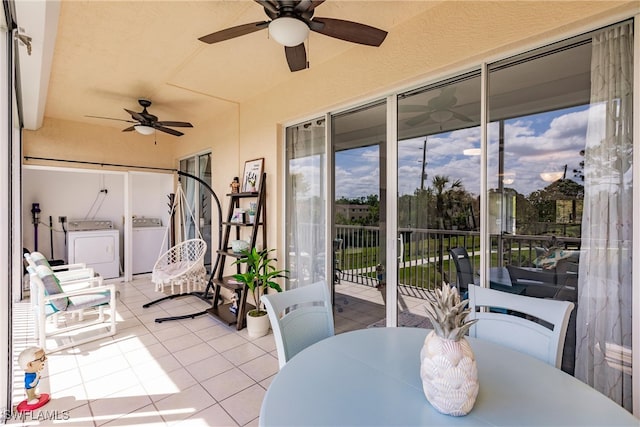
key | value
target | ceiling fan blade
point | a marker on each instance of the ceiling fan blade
(420, 118)
(168, 130)
(296, 57)
(350, 31)
(307, 5)
(129, 129)
(111, 118)
(408, 108)
(271, 6)
(461, 117)
(175, 124)
(134, 114)
(314, 25)
(233, 32)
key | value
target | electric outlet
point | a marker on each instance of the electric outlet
(62, 219)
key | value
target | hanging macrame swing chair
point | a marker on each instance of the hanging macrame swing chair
(183, 265)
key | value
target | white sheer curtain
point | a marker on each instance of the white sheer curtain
(191, 190)
(190, 193)
(604, 317)
(306, 197)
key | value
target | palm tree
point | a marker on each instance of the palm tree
(439, 183)
(446, 197)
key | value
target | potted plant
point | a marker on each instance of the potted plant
(258, 277)
(252, 212)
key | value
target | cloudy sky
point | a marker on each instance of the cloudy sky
(534, 144)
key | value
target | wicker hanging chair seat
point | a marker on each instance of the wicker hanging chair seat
(182, 265)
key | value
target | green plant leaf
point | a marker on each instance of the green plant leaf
(260, 272)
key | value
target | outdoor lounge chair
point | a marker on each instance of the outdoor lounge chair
(53, 300)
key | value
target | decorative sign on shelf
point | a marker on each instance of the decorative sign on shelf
(238, 215)
(252, 175)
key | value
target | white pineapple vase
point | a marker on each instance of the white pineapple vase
(449, 374)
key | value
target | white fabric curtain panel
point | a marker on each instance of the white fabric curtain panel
(295, 246)
(604, 315)
(305, 204)
(189, 191)
(191, 229)
(198, 215)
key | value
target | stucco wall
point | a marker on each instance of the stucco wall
(61, 139)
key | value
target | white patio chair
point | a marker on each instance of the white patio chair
(543, 339)
(53, 299)
(299, 317)
(64, 272)
(72, 276)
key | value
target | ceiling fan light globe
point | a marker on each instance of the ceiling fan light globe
(551, 176)
(288, 31)
(508, 178)
(144, 130)
(442, 116)
(471, 152)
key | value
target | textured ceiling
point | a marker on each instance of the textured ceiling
(110, 53)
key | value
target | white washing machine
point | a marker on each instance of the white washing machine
(147, 243)
(95, 243)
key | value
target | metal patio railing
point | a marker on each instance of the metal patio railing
(424, 253)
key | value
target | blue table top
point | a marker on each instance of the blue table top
(372, 377)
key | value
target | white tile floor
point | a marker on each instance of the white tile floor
(187, 372)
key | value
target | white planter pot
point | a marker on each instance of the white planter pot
(258, 326)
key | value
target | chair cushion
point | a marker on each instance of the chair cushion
(52, 287)
(549, 260)
(39, 259)
(89, 300)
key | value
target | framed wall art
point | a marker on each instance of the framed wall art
(252, 175)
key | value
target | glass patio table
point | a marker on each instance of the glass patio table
(371, 377)
(500, 280)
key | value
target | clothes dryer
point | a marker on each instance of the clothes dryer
(148, 243)
(95, 243)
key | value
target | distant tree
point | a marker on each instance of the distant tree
(578, 172)
(448, 199)
(526, 214)
(543, 202)
(341, 219)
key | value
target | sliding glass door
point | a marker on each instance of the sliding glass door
(306, 198)
(560, 192)
(359, 205)
(199, 200)
(438, 186)
(538, 110)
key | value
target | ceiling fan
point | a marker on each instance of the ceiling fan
(438, 109)
(146, 123)
(291, 21)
